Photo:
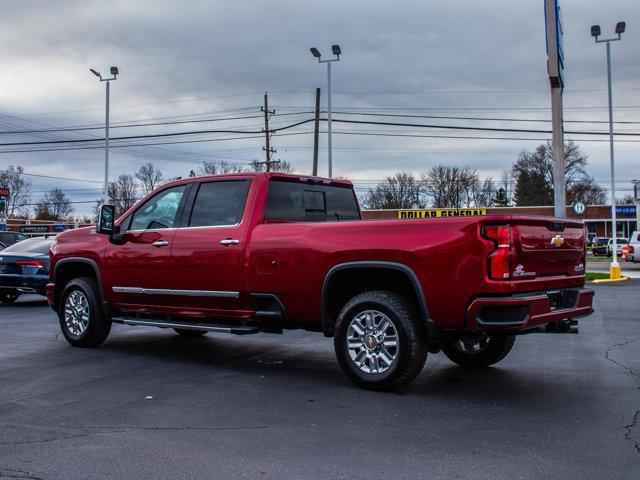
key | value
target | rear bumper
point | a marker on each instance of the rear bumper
(529, 310)
(23, 283)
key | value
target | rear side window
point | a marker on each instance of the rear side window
(219, 203)
(299, 202)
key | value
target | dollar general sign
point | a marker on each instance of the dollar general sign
(466, 212)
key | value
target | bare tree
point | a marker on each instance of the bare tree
(149, 177)
(54, 206)
(20, 189)
(628, 199)
(481, 192)
(507, 183)
(400, 191)
(123, 193)
(588, 191)
(534, 174)
(449, 186)
(276, 166)
(221, 167)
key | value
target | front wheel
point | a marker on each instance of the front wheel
(379, 341)
(478, 351)
(8, 297)
(82, 318)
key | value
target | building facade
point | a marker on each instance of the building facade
(597, 218)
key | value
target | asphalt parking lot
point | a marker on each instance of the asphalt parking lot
(150, 404)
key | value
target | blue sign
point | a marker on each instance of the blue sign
(560, 37)
(554, 41)
(3, 213)
(625, 209)
(60, 228)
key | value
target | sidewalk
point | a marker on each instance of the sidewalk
(631, 270)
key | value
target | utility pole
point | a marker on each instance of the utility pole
(555, 67)
(267, 134)
(316, 133)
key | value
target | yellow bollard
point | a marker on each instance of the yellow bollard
(614, 272)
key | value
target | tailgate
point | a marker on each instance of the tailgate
(545, 247)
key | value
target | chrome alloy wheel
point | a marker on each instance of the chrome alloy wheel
(372, 341)
(76, 313)
(471, 345)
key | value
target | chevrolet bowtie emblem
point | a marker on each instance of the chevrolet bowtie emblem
(557, 241)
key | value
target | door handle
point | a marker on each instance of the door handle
(161, 243)
(229, 241)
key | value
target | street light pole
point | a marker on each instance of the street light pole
(636, 198)
(106, 143)
(114, 73)
(335, 49)
(330, 159)
(614, 270)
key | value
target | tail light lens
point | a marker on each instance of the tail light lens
(631, 249)
(500, 258)
(31, 267)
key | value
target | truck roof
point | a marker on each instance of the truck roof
(266, 176)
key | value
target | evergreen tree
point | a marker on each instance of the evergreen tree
(500, 199)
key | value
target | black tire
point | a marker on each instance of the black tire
(98, 325)
(8, 297)
(496, 348)
(411, 350)
(184, 332)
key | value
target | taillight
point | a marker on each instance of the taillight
(31, 267)
(631, 249)
(500, 258)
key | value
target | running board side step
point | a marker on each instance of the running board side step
(233, 329)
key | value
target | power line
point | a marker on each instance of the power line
(157, 135)
(302, 122)
(481, 129)
(493, 119)
(149, 144)
(62, 112)
(131, 125)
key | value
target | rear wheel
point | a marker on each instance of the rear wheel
(8, 297)
(82, 318)
(478, 351)
(379, 341)
(185, 332)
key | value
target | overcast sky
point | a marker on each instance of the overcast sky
(214, 59)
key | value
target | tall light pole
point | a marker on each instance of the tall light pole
(614, 270)
(335, 49)
(555, 67)
(114, 72)
(636, 197)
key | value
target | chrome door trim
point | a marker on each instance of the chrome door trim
(145, 291)
(206, 293)
(185, 293)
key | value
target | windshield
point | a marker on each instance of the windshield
(602, 242)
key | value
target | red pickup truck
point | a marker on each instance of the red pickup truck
(267, 252)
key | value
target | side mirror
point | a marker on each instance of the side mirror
(106, 220)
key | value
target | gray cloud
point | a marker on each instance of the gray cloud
(486, 55)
